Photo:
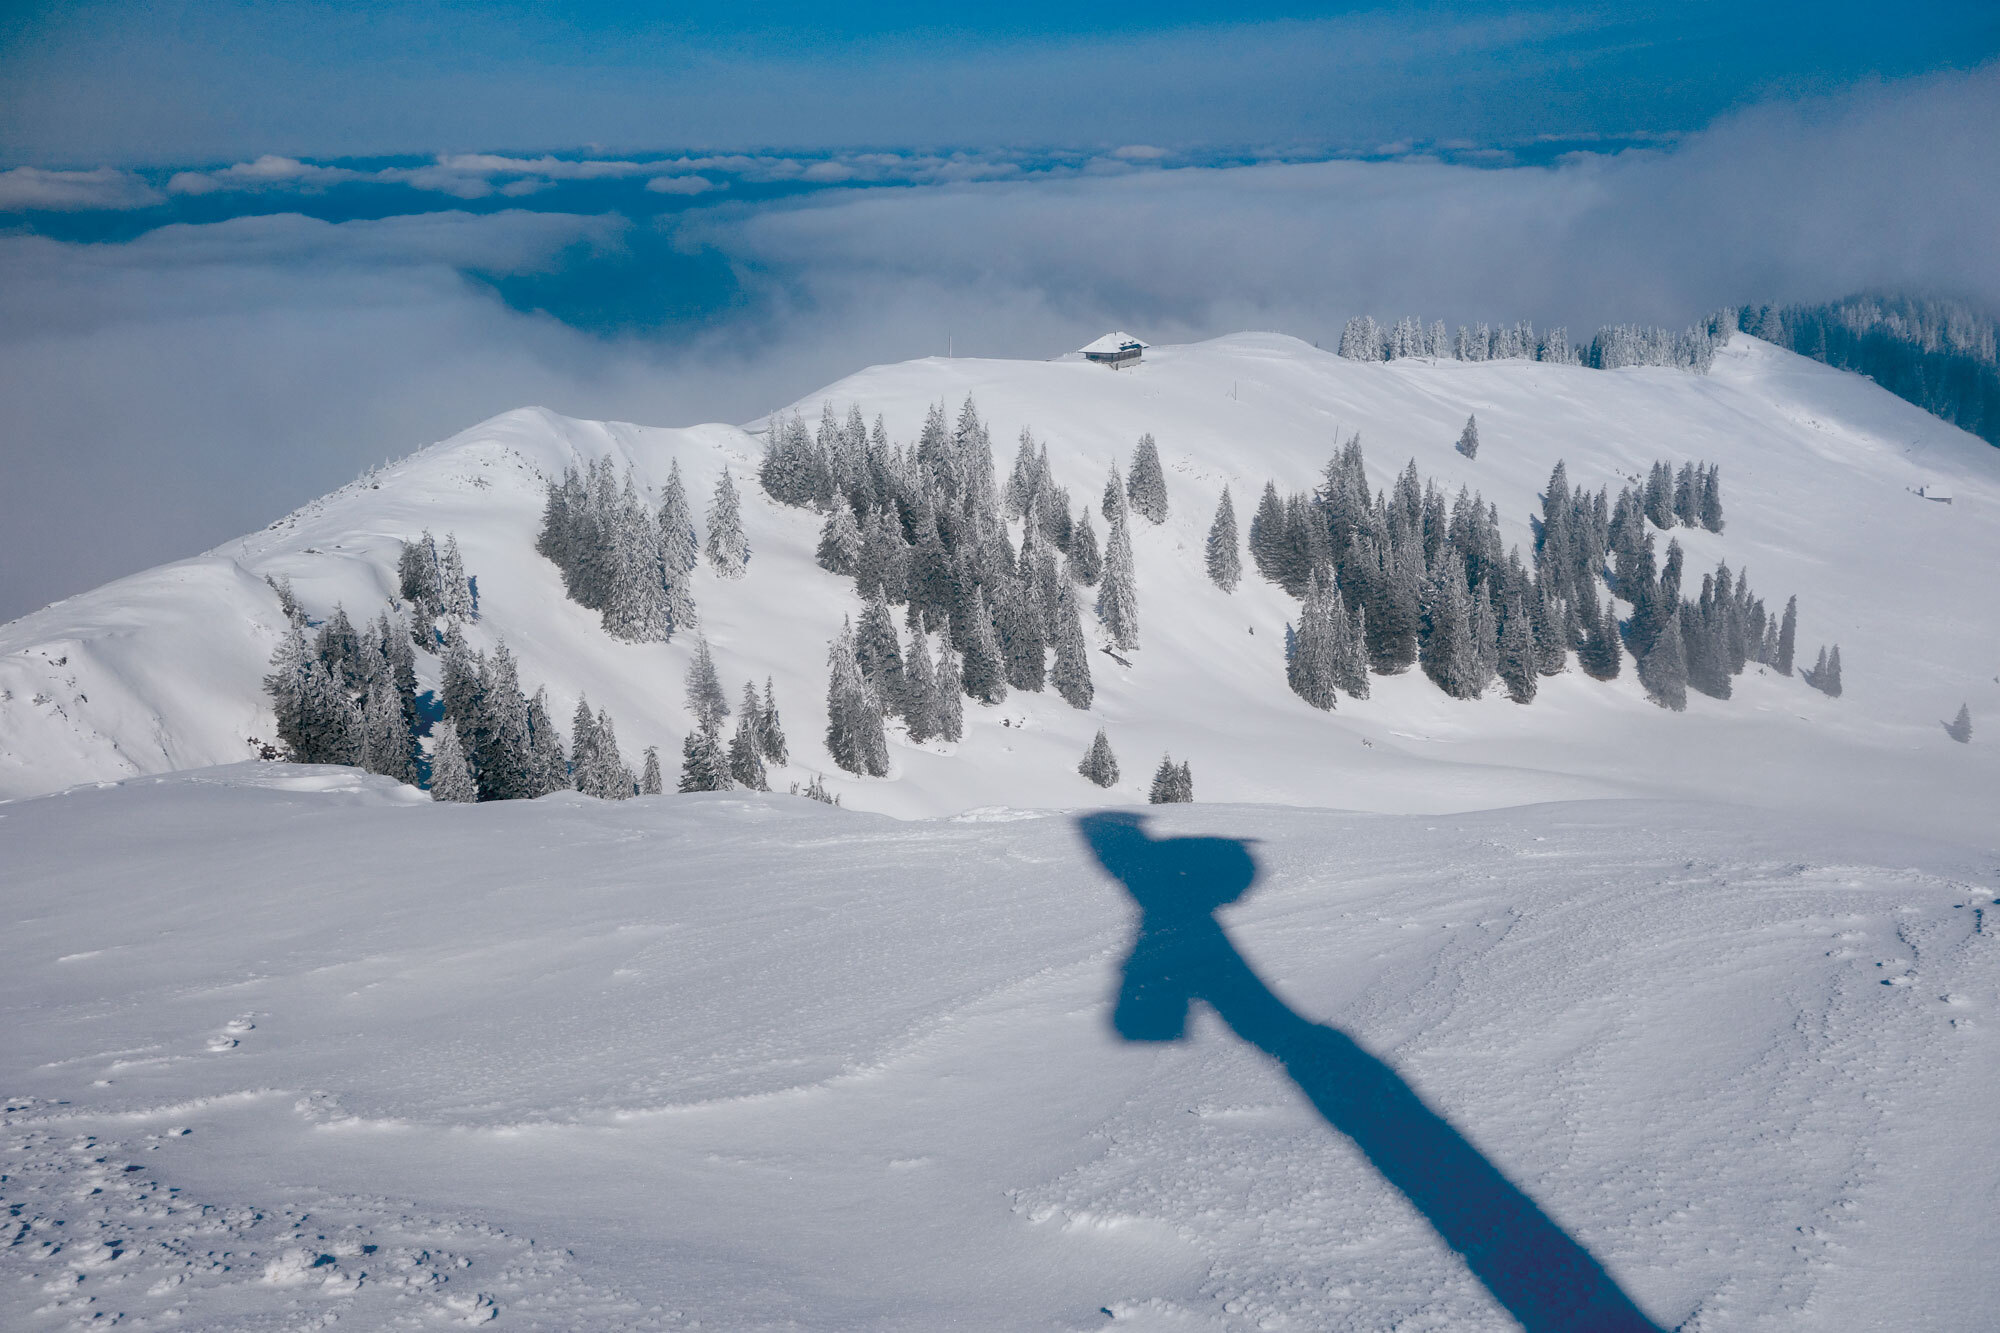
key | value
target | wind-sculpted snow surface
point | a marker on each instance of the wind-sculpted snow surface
(1821, 469)
(288, 1043)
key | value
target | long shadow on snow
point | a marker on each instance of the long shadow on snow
(1545, 1279)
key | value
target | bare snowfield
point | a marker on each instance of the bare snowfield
(288, 1045)
(1531, 1016)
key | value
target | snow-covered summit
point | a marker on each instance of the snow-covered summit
(161, 670)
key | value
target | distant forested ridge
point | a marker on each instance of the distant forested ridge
(1936, 353)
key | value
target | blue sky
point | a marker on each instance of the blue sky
(246, 249)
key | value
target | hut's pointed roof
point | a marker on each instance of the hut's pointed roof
(1112, 342)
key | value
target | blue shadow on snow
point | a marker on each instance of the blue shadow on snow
(1181, 954)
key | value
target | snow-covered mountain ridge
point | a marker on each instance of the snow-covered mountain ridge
(1820, 471)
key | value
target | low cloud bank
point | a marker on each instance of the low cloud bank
(162, 395)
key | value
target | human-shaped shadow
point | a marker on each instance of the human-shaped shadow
(1545, 1279)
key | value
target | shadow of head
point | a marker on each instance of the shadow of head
(1169, 877)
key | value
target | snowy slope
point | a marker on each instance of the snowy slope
(288, 1045)
(160, 671)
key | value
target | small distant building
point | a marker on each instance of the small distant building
(1941, 494)
(1115, 350)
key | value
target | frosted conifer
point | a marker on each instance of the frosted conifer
(1117, 594)
(704, 766)
(1449, 655)
(1788, 637)
(1114, 502)
(920, 688)
(728, 550)
(455, 598)
(1225, 565)
(652, 782)
(704, 689)
(771, 729)
(1099, 764)
(1311, 669)
(879, 653)
(746, 759)
(549, 766)
(610, 779)
(1468, 441)
(839, 542)
(583, 745)
(680, 551)
(1663, 669)
(1517, 654)
(950, 691)
(1086, 565)
(451, 778)
(386, 745)
(1147, 486)
(984, 672)
(1072, 664)
(854, 734)
(1960, 727)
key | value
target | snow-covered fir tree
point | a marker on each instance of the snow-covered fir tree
(705, 698)
(1468, 439)
(1147, 485)
(1117, 592)
(746, 750)
(583, 746)
(1099, 764)
(1225, 564)
(1173, 784)
(1310, 671)
(1826, 673)
(652, 782)
(1086, 563)
(1517, 654)
(1072, 659)
(635, 602)
(950, 719)
(1788, 637)
(920, 687)
(728, 549)
(839, 548)
(608, 779)
(1960, 727)
(451, 776)
(455, 597)
(854, 735)
(387, 747)
(1449, 654)
(1663, 667)
(548, 765)
(704, 765)
(770, 729)
(983, 670)
(680, 551)
(419, 580)
(879, 653)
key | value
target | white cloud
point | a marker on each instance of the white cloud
(681, 185)
(26, 188)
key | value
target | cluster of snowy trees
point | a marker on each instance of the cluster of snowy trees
(1943, 355)
(346, 697)
(495, 743)
(707, 763)
(1399, 578)
(1172, 783)
(1693, 349)
(632, 564)
(436, 586)
(1691, 497)
(1362, 339)
(929, 527)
